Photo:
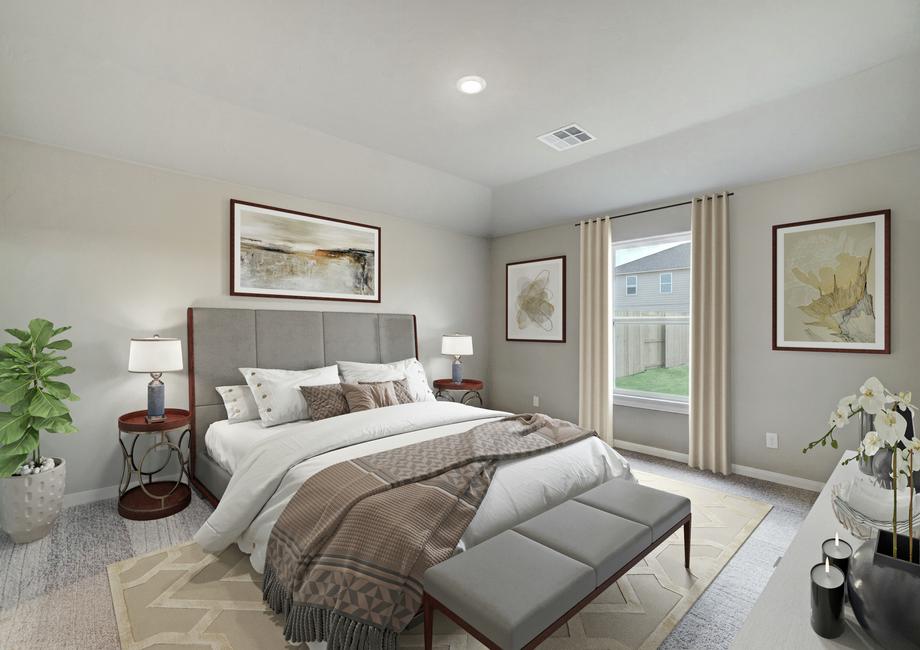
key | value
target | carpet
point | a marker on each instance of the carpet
(183, 598)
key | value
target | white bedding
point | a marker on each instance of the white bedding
(229, 443)
(269, 475)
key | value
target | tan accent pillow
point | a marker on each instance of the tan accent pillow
(401, 386)
(363, 397)
(325, 401)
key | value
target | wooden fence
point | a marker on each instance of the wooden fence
(640, 346)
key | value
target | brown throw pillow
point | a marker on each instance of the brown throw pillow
(401, 386)
(325, 401)
(363, 397)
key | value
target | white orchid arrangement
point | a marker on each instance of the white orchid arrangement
(889, 433)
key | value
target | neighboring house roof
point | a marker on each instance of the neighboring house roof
(676, 257)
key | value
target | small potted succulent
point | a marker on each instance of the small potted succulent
(31, 485)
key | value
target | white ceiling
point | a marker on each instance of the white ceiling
(259, 92)
(870, 114)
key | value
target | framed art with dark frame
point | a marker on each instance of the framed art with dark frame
(279, 253)
(535, 300)
(832, 284)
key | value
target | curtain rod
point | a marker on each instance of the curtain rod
(663, 207)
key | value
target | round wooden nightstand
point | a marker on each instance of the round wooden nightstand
(471, 388)
(153, 499)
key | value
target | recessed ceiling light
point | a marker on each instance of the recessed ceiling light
(471, 85)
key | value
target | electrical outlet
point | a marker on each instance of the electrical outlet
(536, 400)
(772, 440)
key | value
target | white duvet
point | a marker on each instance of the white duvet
(274, 469)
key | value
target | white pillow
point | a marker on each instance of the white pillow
(277, 392)
(240, 405)
(354, 372)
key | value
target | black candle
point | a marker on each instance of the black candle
(827, 600)
(838, 552)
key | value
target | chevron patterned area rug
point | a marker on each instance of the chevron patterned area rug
(183, 598)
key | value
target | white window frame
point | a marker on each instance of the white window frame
(670, 283)
(634, 286)
(643, 399)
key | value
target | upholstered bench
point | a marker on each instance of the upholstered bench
(516, 589)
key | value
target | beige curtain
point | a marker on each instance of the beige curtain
(709, 334)
(594, 335)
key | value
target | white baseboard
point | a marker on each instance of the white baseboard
(88, 496)
(776, 477)
(743, 470)
(680, 457)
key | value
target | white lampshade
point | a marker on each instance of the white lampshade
(455, 344)
(155, 355)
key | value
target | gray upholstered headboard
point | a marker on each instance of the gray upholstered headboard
(222, 340)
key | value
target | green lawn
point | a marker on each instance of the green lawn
(672, 381)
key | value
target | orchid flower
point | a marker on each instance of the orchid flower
(848, 404)
(911, 446)
(890, 427)
(870, 444)
(838, 419)
(902, 400)
(872, 396)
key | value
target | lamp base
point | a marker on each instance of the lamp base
(156, 400)
(456, 371)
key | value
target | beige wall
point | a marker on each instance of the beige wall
(792, 393)
(789, 393)
(522, 369)
(120, 250)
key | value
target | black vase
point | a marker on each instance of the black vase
(907, 415)
(883, 591)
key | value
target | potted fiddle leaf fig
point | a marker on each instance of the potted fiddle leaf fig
(31, 485)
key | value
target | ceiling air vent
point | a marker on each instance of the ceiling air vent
(566, 137)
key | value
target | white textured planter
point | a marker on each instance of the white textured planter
(30, 504)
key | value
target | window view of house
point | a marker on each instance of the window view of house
(664, 283)
(632, 285)
(651, 317)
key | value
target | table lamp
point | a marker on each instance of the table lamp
(457, 345)
(155, 355)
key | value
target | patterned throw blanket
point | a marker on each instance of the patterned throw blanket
(345, 560)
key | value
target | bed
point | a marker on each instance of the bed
(252, 472)
(221, 341)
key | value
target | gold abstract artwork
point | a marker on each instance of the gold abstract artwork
(304, 255)
(534, 302)
(830, 284)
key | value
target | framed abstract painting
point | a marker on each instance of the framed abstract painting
(832, 284)
(535, 300)
(278, 253)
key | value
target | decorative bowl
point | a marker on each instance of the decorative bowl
(863, 507)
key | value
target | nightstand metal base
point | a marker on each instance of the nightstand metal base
(140, 497)
(469, 397)
(168, 499)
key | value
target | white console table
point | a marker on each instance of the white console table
(781, 617)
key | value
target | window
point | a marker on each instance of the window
(651, 334)
(664, 282)
(632, 285)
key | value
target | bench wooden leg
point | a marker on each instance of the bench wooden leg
(428, 614)
(687, 543)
